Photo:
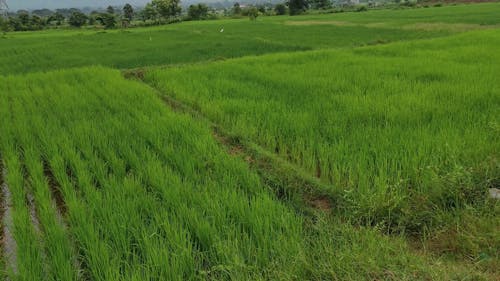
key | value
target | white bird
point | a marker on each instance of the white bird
(222, 30)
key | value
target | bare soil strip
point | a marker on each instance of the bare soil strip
(57, 197)
(35, 221)
(320, 22)
(60, 208)
(8, 242)
(30, 199)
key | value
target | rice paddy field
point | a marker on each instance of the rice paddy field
(200, 41)
(387, 125)
(350, 146)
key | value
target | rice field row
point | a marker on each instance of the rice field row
(106, 183)
(404, 130)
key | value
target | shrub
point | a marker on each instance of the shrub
(252, 13)
(77, 19)
(280, 9)
(361, 8)
(198, 11)
(297, 7)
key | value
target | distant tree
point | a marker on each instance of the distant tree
(321, 4)
(161, 7)
(197, 12)
(297, 7)
(175, 8)
(42, 13)
(73, 10)
(128, 12)
(107, 20)
(110, 10)
(22, 21)
(193, 13)
(280, 9)
(252, 13)
(15, 24)
(149, 12)
(57, 17)
(77, 19)
(361, 8)
(92, 19)
(24, 18)
(261, 9)
(36, 23)
(237, 8)
(62, 12)
(4, 26)
(167, 8)
(67, 12)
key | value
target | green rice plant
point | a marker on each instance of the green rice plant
(58, 249)
(29, 257)
(150, 195)
(406, 130)
(199, 41)
(110, 184)
(465, 14)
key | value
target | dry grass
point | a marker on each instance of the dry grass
(320, 22)
(441, 26)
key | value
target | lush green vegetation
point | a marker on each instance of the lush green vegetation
(286, 148)
(400, 128)
(150, 195)
(201, 41)
(190, 42)
(482, 14)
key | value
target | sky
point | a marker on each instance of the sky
(15, 5)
